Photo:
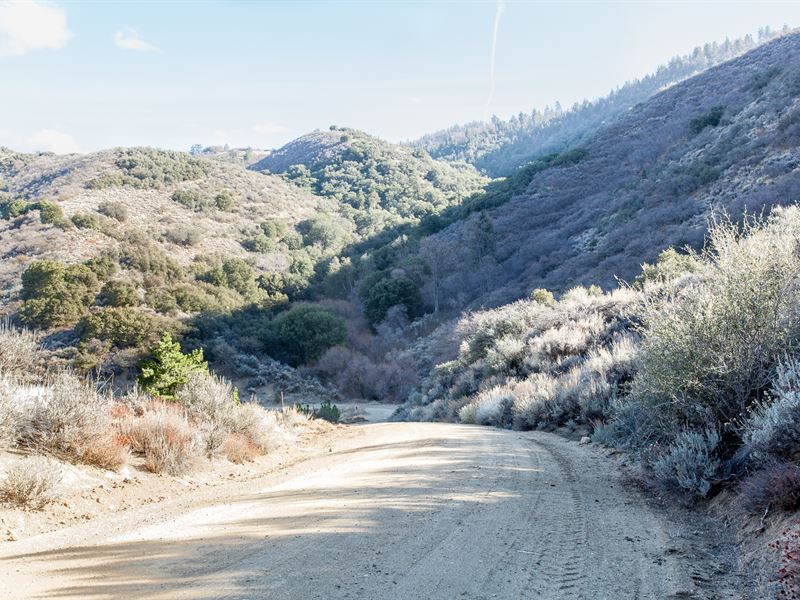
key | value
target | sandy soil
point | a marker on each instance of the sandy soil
(389, 511)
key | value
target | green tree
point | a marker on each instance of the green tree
(56, 295)
(302, 334)
(484, 239)
(234, 274)
(168, 368)
(386, 293)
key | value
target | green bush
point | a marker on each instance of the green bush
(543, 296)
(55, 294)
(324, 230)
(87, 221)
(118, 293)
(14, 209)
(328, 411)
(52, 214)
(149, 259)
(183, 236)
(190, 199)
(670, 265)
(199, 296)
(275, 230)
(260, 243)
(168, 368)
(710, 119)
(103, 266)
(234, 274)
(302, 334)
(120, 327)
(386, 293)
(224, 201)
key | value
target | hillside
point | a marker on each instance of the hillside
(375, 182)
(106, 251)
(141, 183)
(500, 146)
(724, 140)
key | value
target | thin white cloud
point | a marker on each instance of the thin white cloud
(50, 140)
(128, 39)
(268, 129)
(30, 25)
(500, 8)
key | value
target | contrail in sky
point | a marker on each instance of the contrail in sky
(498, 13)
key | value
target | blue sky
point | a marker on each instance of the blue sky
(90, 75)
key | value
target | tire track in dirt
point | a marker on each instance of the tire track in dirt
(400, 511)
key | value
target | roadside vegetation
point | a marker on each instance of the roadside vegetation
(179, 416)
(691, 369)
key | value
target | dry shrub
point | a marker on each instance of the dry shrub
(107, 451)
(776, 487)
(9, 411)
(711, 347)
(32, 483)
(238, 449)
(772, 431)
(209, 402)
(164, 436)
(19, 351)
(491, 407)
(65, 415)
(690, 466)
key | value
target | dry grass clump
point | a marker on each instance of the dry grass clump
(238, 449)
(209, 402)
(164, 436)
(9, 411)
(32, 483)
(205, 420)
(63, 415)
(107, 451)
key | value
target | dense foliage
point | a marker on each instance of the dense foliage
(303, 334)
(168, 368)
(149, 168)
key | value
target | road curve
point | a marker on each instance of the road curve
(402, 511)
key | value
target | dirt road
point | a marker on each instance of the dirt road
(390, 511)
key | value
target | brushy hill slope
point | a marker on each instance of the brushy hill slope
(724, 140)
(107, 251)
(376, 183)
(500, 146)
(141, 184)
